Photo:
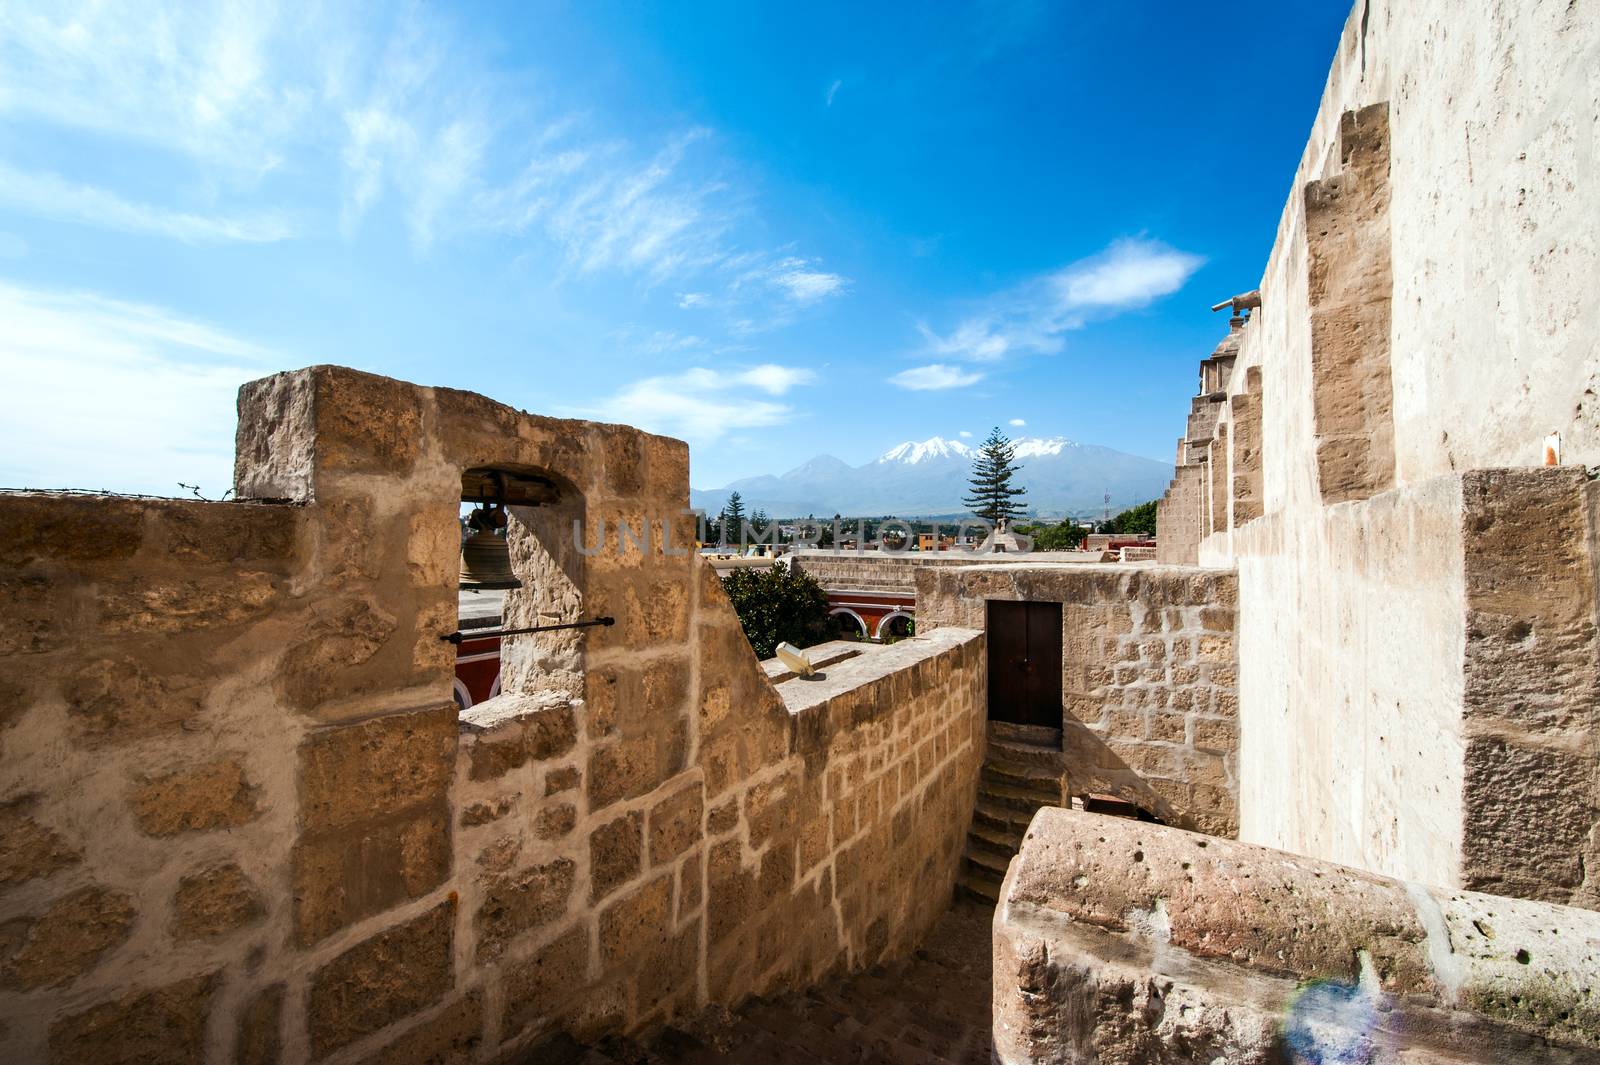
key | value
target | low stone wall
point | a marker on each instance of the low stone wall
(895, 571)
(241, 819)
(1149, 676)
(1125, 943)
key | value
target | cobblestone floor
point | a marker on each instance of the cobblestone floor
(929, 1009)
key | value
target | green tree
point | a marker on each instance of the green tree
(777, 605)
(993, 467)
(1140, 519)
(732, 515)
(1064, 536)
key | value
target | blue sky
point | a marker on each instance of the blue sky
(772, 230)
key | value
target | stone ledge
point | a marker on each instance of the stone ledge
(1227, 941)
(873, 664)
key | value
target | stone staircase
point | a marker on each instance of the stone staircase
(1022, 771)
(930, 1009)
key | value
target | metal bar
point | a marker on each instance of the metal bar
(457, 637)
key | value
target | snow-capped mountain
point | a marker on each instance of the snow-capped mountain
(935, 447)
(930, 477)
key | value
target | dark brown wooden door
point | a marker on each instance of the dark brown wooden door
(1025, 663)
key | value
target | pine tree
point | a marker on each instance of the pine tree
(733, 515)
(995, 464)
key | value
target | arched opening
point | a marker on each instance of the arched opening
(533, 513)
(848, 624)
(896, 626)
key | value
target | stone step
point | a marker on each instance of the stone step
(1024, 754)
(982, 858)
(1001, 817)
(1028, 735)
(1021, 799)
(1005, 841)
(983, 886)
(1046, 779)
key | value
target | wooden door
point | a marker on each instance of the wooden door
(1025, 663)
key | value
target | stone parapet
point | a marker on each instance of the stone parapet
(242, 820)
(1125, 943)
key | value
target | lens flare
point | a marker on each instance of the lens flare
(1331, 1023)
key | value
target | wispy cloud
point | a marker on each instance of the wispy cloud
(90, 354)
(833, 90)
(1034, 317)
(935, 377)
(702, 405)
(965, 434)
(50, 196)
(415, 120)
(1016, 423)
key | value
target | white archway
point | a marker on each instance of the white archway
(860, 621)
(880, 632)
(463, 696)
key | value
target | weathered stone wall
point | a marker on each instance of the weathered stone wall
(240, 819)
(1149, 685)
(1178, 516)
(1418, 335)
(891, 571)
(1123, 943)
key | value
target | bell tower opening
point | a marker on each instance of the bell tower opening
(520, 569)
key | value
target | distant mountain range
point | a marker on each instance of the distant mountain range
(929, 478)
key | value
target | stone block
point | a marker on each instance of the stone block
(637, 925)
(390, 976)
(614, 854)
(485, 811)
(345, 874)
(769, 808)
(43, 527)
(29, 849)
(723, 818)
(364, 423)
(675, 823)
(210, 796)
(625, 769)
(1216, 734)
(66, 940)
(326, 664)
(214, 902)
(149, 605)
(115, 700)
(520, 903)
(259, 1038)
(163, 1026)
(537, 987)
(553, 822)
(450, 1037)
(378, 768)
(564, 779)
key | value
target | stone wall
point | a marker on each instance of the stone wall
(243, 821)
(1123, 943)
(1149, 684)
(1415, 342)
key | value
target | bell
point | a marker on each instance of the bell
(486, 555)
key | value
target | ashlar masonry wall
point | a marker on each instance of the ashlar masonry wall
(1149, 699)
(1417, 621)
(241, 819)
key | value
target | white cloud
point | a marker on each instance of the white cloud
(1016, 423)
(808, 286)
(702, 405)
(406, 109)
(833, 90)
(934, 377)
(50, 196)
(963, 434)
(1033, 318)
(140, 398)
(690, 300)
